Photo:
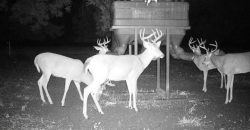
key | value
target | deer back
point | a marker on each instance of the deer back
(58, 65)
(113, 67)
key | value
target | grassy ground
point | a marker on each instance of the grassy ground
(187, 108)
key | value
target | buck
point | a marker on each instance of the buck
(230, 64)
(102, 47)
(198, 59)
(64, 67)
(121, 67)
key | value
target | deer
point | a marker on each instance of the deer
(198, 59)
(121, 67)
(64, 67)
(102, 47)
(230, 64)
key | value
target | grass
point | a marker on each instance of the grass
(190, 121)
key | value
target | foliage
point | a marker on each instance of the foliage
(37, 13)
(103, 16)
(38, 16)
(3, 5)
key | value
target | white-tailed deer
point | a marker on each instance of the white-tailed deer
(198, 59)
(230, 64)
(122, 67)
(102, 47)
(61, 66)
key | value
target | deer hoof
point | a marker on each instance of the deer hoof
(44, 103)
(101, 112)
(86, 116)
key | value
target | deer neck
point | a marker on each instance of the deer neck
(217, 61)
(145, 58)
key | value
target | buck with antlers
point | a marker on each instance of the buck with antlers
(198, 59)
(230, 64)
(122, 67)
(102, 47)
(61, 66)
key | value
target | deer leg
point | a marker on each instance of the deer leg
(134, 93)
(45, 83)
(87, 91)
(66, 88)
(205, 81)
(130, 94)
(40, 85)
(228, 87)
(221, 81)
(99, 91)
(79, 89)
(225, 80)
(231, 89)
(96, 101)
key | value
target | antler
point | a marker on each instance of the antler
(202, 45)
(143, 38)
(215, 45)
(191, 42)
(104, 43)
(201, 42)
(159, 33)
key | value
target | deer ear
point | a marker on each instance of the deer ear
(158, 43)
(209, 55)
(217, 52)
(146, 44)
(97, 48)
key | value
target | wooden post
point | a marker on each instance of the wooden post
(130, 49)
(136, 43)
(167, 62)
(158, 74)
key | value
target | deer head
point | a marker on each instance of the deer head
(102, 47)
(152, 45)
(214, 51)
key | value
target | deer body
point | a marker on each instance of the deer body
(122, 66)
(60, 66)
(234, 63)
(198, 59)
(117, 68)
(230, 64)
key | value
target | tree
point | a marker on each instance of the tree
(38, 16)
(103, 15)
(3, 5)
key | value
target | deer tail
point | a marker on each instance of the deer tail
(36, 64)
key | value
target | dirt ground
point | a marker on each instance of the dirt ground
(188, 108)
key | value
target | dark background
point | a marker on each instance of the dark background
(221, 20)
